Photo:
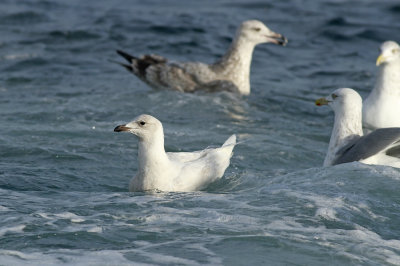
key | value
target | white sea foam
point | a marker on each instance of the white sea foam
(96, 229)
(64, 215)
(61, 256)
(326, 206)
(361, 240)
(13, 229)
(19, 56)
(326, 213)
(3, 208)
(105, 257)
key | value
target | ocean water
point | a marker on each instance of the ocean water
(64, 173)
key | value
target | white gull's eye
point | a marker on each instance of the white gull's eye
(334, 96)
(142, 123)
(256, 29)
(395, 51)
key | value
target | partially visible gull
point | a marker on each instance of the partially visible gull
(347, 143)
(382, 107)
(230, 73)
(173, 171)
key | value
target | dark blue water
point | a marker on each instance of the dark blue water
(64, 173)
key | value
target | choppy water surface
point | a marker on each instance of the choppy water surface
(64, 173)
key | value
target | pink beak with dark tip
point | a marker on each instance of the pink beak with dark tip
(121, 128)
(277, 38)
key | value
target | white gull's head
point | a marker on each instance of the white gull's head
(342, 101)
(146, 127)
(256, 32)
(390, 51)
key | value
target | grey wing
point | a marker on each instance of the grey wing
(207, 79)
(170, 76)
(158, 72)
(383, 139)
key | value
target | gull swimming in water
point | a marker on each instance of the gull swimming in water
(173, 171)
(230, 73)
(347, 143)
(382, 107)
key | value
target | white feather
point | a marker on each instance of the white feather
(174, 171)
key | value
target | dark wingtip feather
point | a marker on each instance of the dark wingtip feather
(127, 56)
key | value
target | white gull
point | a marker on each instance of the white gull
(347, 143)
(230, 73)
(382, 107)
(173, 171)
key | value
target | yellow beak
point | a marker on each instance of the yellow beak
(380, 60)
(321, 101)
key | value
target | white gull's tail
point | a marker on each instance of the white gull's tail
(230, 141)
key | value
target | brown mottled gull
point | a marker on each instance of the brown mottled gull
(230, 73)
